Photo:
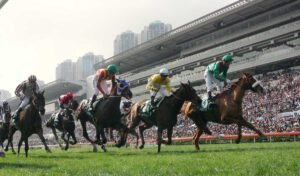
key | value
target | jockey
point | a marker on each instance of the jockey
(24, 92)
(159, 83)
(64, 104)
(1, 114)
(6, 107)
(125, 107)
(212, 74)
(100, 79)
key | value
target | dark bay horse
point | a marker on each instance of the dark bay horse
(228, 108)
(107, 114)
(4, 128)
(30, 122)
(67, 126)
(165, 116)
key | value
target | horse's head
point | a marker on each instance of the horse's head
(123, 89)
(252, 84)
(38, 100)
(187, 92)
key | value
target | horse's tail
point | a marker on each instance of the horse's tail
(186, 108)
(134, 110)
(79, 108)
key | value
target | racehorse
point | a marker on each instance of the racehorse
(107, 114)
(227, 108)
(165, 116)
(4, 129)
(66, 126)
(30, 122)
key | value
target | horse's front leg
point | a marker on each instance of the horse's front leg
(250, 126)
(26, 146)
(41, 136)
(20, 143)
(67, 141)
(159, 139)
(141, 130)
(169, 134)
(11, 133)
(238, 140)
(196, 138)
(100, 131)
(86, 136)
(56, 137)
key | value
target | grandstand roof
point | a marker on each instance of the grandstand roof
(169, 44)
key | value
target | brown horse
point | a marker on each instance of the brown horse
(4, 128)
(107, 114)
(66, 126)
(227, 109)
(165, 116)
(30, 122)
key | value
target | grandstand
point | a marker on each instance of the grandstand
(263, 35)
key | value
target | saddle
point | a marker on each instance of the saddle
(147, 109)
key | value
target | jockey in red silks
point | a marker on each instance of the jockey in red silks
(100, 79)
(64, 104)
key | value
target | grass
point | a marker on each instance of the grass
(216, 159)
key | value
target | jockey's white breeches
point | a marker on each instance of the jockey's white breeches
(161, 92)
(103, 85)
(24, 102)
(210, 80)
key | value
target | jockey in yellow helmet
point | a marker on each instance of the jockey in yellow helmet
(159, 83)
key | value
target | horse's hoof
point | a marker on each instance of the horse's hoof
(104, 149)
(6, 149)
(14, 153)
(48, 151)
(95, 149)
(141, 147)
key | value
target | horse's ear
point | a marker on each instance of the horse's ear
(43, 92)
(189, 83)
(182, 84)
(244, 75)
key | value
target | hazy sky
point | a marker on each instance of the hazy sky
(36, 35)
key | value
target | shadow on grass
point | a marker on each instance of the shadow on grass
(212, 150)
(58, 157)
(24, 165)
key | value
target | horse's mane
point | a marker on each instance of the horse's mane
(232, 87)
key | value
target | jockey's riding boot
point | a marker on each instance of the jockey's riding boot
(17, 113)
(92, 101)
(152, 101)
(209, 99)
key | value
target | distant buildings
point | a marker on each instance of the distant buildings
(125, 41)
(154, 30)
(4, 94)
(128, 39)
(77, 71)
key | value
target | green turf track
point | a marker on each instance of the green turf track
(216, 159)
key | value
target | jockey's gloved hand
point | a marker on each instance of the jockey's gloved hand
(105, 95)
